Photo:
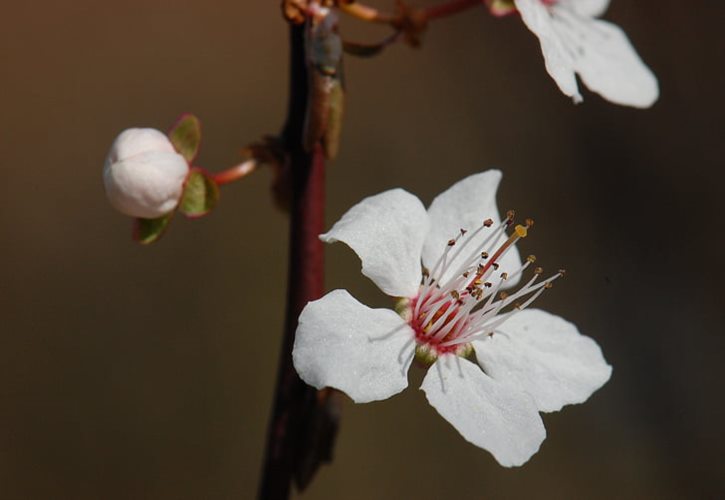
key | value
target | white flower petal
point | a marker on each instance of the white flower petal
(488, 413)
(146, 185)
(134, 141)
(572, 41)
(344, 344)
(589, 8)
(607, 62)
(545, 356)
(557, 59)
(465, 205)
(387, 232)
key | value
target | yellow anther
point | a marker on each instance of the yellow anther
(521, 230)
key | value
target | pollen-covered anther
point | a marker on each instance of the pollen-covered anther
(488, 223)
(531, 259)
(539, 270)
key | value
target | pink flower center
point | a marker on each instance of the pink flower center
(459, 300)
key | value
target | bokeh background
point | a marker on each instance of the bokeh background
(131, 372)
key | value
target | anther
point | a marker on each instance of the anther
(451, 243)
(548, 285)
(455, 294)
(529, 222)
(484, 255)
(510, 217)
(488, 284)
(538, 270)
(488, 223)
(463, 231)
(521, 231)
(562, 272)
(503, 295)
(504, 276)
(495, 266)
(465, 275)
(531, 259)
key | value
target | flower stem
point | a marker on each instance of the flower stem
(449, 8)
(304, 421)
(234, 173)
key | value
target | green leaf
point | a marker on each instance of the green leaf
(185, 135)
(200, 195)
(146, 231)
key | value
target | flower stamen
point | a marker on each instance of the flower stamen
(448, 314)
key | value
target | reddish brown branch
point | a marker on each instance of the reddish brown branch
(302, 427)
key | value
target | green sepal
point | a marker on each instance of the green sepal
(185, 135)
(146, 231)
(200, 194)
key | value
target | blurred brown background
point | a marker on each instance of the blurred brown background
(129, 372)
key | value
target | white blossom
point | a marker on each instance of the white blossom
(448, 312)
(143, 174)
(574, 41)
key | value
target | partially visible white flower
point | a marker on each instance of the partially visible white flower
(144, 175)
(526, 360)
(574, 41)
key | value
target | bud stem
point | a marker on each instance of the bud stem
(234, 173)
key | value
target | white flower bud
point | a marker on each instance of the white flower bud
(143, 174)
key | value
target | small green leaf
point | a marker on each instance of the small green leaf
(185, 135)
(200, 195)
(147, 231)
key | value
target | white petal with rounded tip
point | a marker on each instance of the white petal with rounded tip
(572, 41)
(344, 344)
(465, 205)
(146, 185)
(387, 232)
(545, 356)
(607, 62)
(488, 413)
